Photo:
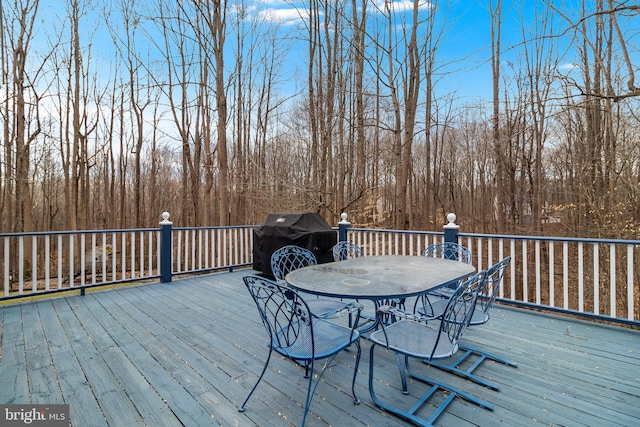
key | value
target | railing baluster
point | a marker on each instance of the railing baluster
(93, 259)
(187, 249)
(104, 257)
(565, 275)
(72, 267)
(21, 265)
(178, 254)
(114, 257)
(83, 260)
(235, 259)
(538, 278)
(190, 264)
(513, 270)
(214, 248)
(133, 255)
(580, 277)
(123, 261)
(34, 264)
(151, 245)
(141, 255)
(207, 249)
(59, 261)
(612, 280)
(596, 278)
(630, 302)
(7, 274)
(552, 266)
(47, 262)
(225, 245)
(501, 256)
(158, 251)
(525, 276)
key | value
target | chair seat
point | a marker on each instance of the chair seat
(329, 338)
(415, 339)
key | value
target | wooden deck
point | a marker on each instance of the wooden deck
(187, 353)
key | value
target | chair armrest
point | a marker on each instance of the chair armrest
(398, 313)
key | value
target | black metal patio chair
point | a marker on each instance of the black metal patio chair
(299, 336)
(433, 303)
(480, 316)
(289, 258)
(346, 250)
(412, 337)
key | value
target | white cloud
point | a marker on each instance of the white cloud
(568, 67)
(401, 5)
(282, 16)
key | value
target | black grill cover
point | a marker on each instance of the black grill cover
(307, 230)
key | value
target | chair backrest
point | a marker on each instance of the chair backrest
(289, 258)
(457, 315)
(346, 250)
(489, 291)
(284, 314)
(449, 250)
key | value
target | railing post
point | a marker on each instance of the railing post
(343, 226)
(451, 229)
(166, 243)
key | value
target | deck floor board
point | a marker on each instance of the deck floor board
(188, 352)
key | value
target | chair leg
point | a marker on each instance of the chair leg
(467, 373)
(402, 368)
(457, 391)
(356, 401)
(452, 367)
(491, 356)
(314, 384)
(409, 414)
(305, 365)
(309, 391)
(242, 408)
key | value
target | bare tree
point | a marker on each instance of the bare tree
(139, 97)
(496, 25)
(214, 18)
(24, 109)
(540, 63)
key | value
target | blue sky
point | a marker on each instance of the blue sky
(465, 46)
(464, 51)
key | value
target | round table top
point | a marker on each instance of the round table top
(378, 277)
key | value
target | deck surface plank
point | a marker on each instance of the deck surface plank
(188, 352)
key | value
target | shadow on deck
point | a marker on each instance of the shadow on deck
(187, 353)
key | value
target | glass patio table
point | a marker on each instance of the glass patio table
(378, 278)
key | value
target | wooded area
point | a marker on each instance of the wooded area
(115, 111)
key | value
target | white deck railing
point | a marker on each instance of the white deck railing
(40, 263)
(591, 277)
